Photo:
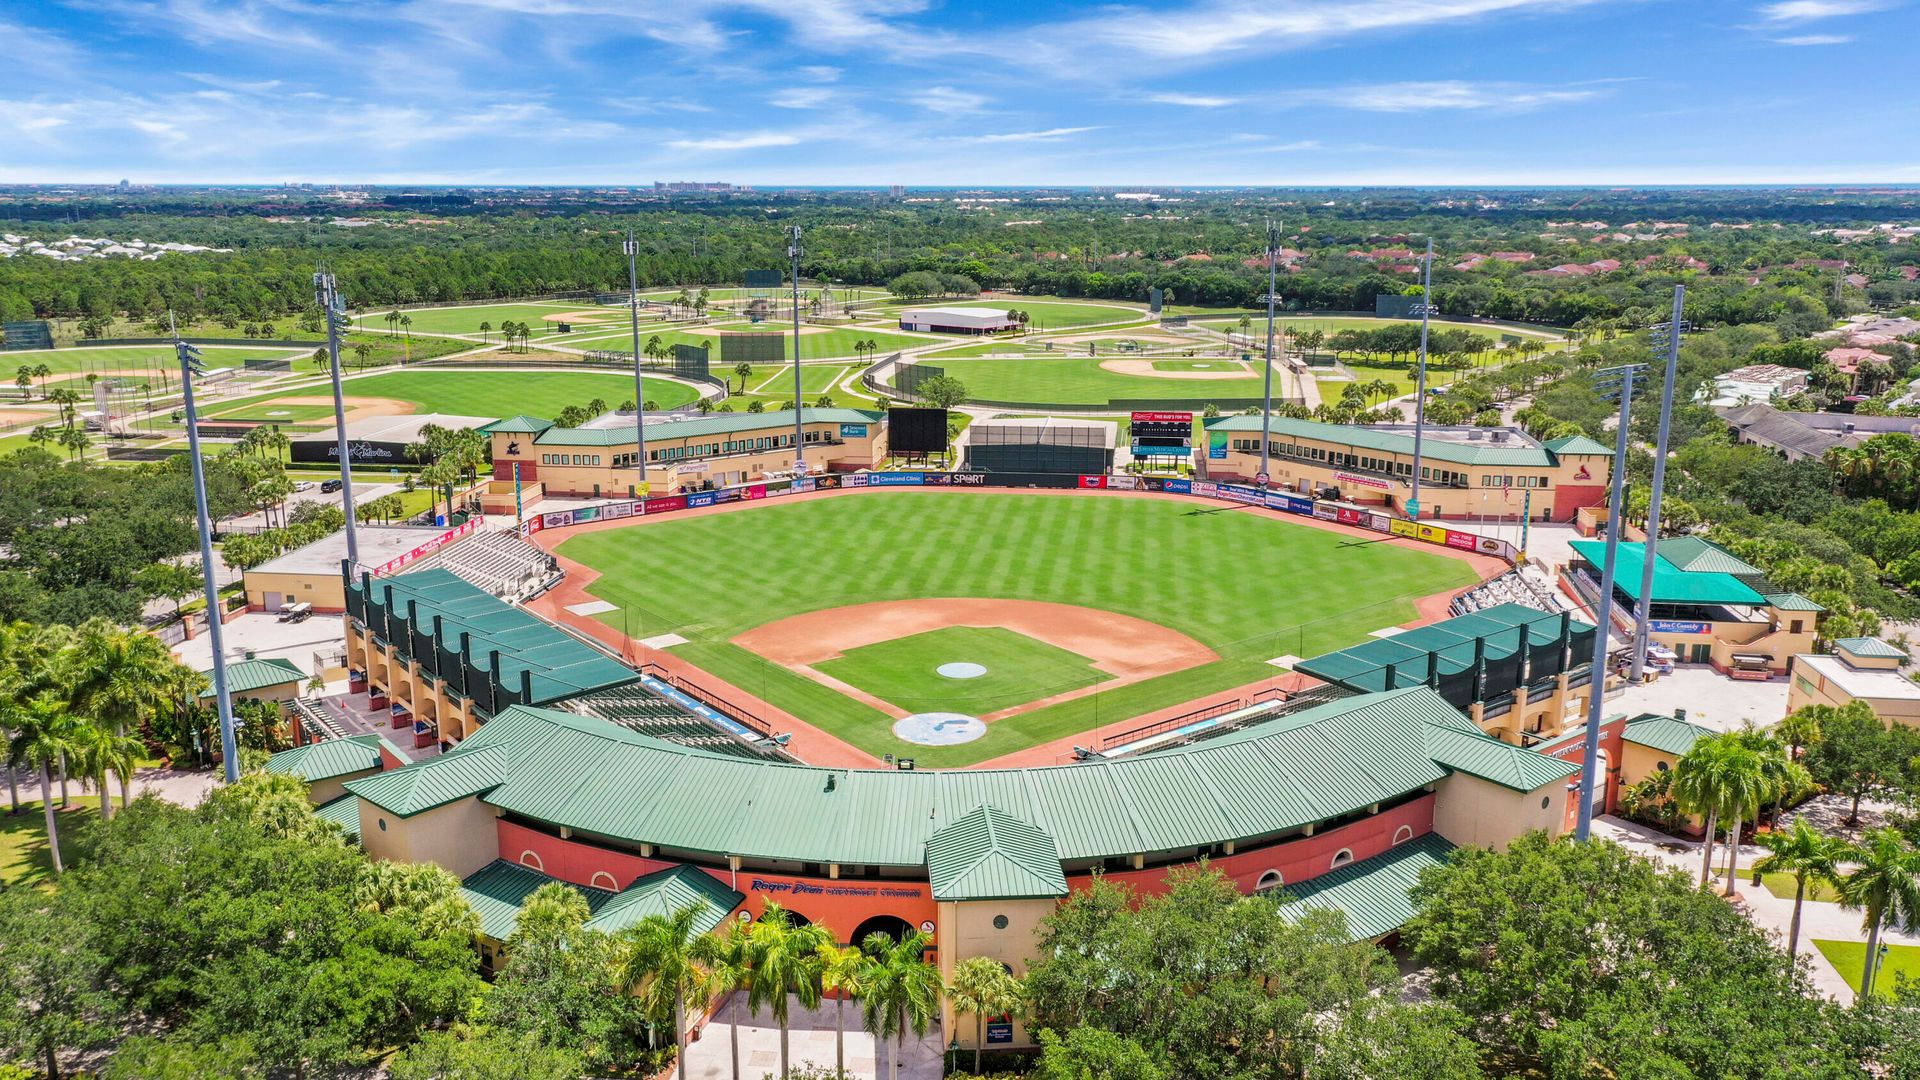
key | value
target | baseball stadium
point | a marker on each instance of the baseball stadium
(942, 700)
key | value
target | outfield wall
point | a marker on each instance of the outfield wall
(1285, 502)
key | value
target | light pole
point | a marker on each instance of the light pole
(799, 433)
(1420, 383)
(632, 250)
(1597, 674)
(327, 295)
(1266, 386)
(189, 367)
(1640, 613)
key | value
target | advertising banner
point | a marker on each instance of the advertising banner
(895, 479)
(1433, 534)
(1400, 527)
(1180, 487)
(825, 483)
(1292, 504)
(1241, 494)
(664, 503)
(427, 548)
(1379, 522)
(1326, 511)
(697, 499)
(1216, 446)
(1463, 540)
(617, 510)
(968, 479)
(558, 520)
(586, 514)
(1374, 482)
(1140, 417)
(852, 481)
(1347, 515)
(804, 483)
(1001, 1031)
(1678, 626)
(853, 431)
(1093, 481)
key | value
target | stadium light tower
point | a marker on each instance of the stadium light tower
(333, 309)
(632, 250)
(799, 434)
(1668, 334)
(190, 366)
(1610, 381)
(1420, 383)
(1266, 386)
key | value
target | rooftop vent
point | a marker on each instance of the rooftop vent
(1474, 434)
(1499, 436)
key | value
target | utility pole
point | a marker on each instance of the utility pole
(189, 367)
(1266, 387)
(1597, 676)
(1640, 613)
(1420, 383)
(639, 387)
(799, 432)
(327, 294)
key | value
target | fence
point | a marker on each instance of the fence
(278, 343)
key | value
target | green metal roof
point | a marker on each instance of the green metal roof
(344, 812)
(991, 855)
(1664, 733)
(560, 664)
(1870, 647)
(249, 675)
(1671, 585)
(1578, 444)
(332, 757)
(517, 425)
(1373, 893)
(1792, 601)
(1389, 440)
(498, 890)
(665, 892)
(1696, 554)
(597, 778)
(1363, 667)
(710, 424)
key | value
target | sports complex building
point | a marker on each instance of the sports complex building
(957, 320)
(563, 761)
(1465, 472)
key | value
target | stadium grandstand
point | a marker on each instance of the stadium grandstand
(499, 561)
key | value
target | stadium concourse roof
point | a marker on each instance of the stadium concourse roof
(561, 665)
(1665, 733)
(249, 675)
(1364, 666)
(1374, 894)
(1460, 446)
(594, 434)
(595, 778)
(329, 758)
(1671, 584)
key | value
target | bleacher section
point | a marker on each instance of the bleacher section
(498, 561)
(639, 709)
(1512, 587)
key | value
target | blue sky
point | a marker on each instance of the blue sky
(772, 92)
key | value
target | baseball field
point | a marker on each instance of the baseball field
(1098, 380)
(492, 393)
(1078, 611)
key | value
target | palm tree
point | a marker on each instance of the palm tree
(983, 987)
(902, 990)
(786, 965)
(1806, 853)
(1696, 790)
(43, 734)
(1885, 886)
(841, 970)
(663, 963)
(729, 963)
(391, 318)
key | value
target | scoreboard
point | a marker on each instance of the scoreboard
(1162, 434)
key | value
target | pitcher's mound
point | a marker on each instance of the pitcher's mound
(961, 671)
(939, 728)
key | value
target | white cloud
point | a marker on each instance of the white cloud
(821, 72)
(1426, 96)
(1228, 26)
(1814, 39)
(947, 100)
(800, 97)
(1196, 101)
(752, 140)
(1789, 11)
(1049, 135)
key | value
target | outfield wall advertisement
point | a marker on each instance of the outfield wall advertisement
(1285, 502)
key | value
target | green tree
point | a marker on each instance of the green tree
(729, 960)
(942, 392)
(1807, 854)
(902, 991)
(786, 967)
(841, 968)
(1085, 1053)
(662, 961)
(559, 983)
(982, 987)
(54, 990)
(1859, 755)
(41, 735)
(484, 1054)
(1884, 886)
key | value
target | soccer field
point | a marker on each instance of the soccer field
(1081, 380)
(1245, 584)
(469, 393)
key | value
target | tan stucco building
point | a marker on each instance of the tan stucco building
(1860, 669)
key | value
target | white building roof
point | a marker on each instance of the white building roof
(1861, 682)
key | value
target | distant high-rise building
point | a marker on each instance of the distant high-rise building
(124, 184)
(677, 186)
(897, 190)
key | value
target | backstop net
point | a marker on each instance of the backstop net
(763, 295)
(909, 377)
(26, 334)
(689, 361)
(753, 348)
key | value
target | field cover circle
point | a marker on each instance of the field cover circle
(939, 728)
(961, 669)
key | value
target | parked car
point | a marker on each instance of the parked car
(303, 485)
(328, 487)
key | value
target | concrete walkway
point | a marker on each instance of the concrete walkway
(810, 1041)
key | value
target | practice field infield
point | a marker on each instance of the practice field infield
(1098, 380)
(834, 609)
(474, 393)
(110, 359)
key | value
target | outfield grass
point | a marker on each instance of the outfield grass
(467, 320)
(1019, 669)
(471, 393)
(1848, 957)
(1080, 380)
(114, 359)
(25, 858)
(1249, 585)
(833, 343)
(1216, 364)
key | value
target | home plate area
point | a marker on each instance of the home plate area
(939, 728)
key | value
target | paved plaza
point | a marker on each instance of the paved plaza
(810, 1041)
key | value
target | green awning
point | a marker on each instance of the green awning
(1373, 893)
(1671, 585)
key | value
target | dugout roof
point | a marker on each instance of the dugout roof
(1445, 653)
(1671, 584)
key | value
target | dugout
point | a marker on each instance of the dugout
(1041, 444)
(1513, 668)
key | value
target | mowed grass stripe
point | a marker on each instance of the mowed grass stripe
(1019, 669)
(1248, 584)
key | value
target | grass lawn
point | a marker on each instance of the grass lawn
(1080, 380)
(1849, 957)
(832, 343)
(25, 858)
(473, 393)
(1019, 669)
(119, 359)
(1247, 584)
(1199, 365)
(467, 320)
(1333, 324)
(1781, 885)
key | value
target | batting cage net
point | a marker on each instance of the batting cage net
(29, 334)
(908, 377)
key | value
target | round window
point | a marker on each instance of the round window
(1544, 800)
(1660, 766)
(382, 822)
(999, 922)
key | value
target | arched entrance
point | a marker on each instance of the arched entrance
(891, 925)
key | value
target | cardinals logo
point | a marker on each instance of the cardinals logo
(1583, 474)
